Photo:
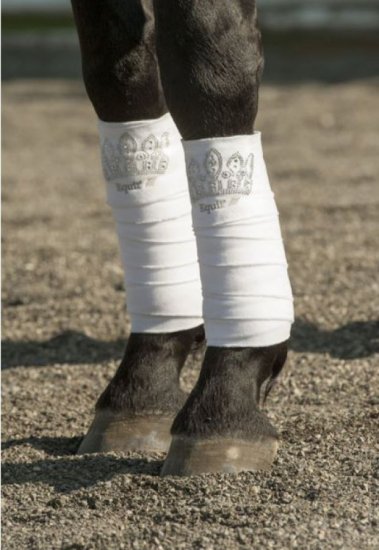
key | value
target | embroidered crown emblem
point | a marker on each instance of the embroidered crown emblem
(127, 157)
(215, 176)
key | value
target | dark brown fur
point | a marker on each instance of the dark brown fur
(211, 60)
(225, 401)
(147, 380)
(120, 70)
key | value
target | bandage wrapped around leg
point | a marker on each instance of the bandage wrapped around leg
(144, 168)
(246, 290)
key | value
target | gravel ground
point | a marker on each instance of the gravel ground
(64, 329)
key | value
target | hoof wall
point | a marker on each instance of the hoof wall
(111, 432)
(189, 456)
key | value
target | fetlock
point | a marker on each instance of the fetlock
(147, 380)
(226, 399)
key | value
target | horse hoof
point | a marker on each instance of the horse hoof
(189, 456)
(112, 432)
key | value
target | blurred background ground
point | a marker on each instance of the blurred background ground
(64, 325)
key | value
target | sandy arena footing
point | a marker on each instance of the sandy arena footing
(65, 327)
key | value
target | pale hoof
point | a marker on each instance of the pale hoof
(112, 432)
(189, 456)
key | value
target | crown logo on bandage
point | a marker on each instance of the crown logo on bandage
(215, 176)
(127, 157)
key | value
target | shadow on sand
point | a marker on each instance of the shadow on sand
(70, 347)
(54, 446)
(67, 475)
(354, 340)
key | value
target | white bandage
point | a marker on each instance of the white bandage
(246, 290)
(143, 164)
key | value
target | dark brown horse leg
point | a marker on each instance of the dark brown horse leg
(122, 80)
(211, 61)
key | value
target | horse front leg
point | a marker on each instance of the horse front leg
(211, 61)
(147, 191)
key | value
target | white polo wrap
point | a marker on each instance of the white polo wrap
(144, 168)
(246, 289)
